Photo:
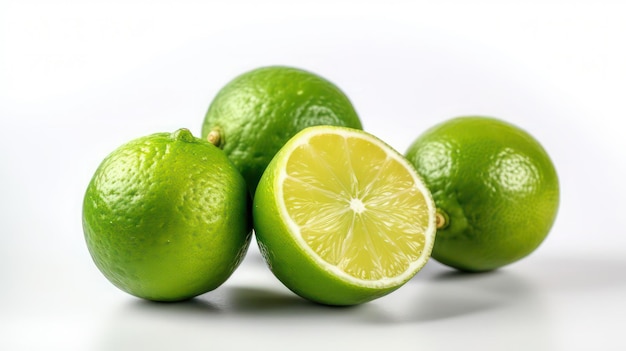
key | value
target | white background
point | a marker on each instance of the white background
(80, 78)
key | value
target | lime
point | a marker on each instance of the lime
(341, 218)
(495, 187)
(255, 114)
(167, 217)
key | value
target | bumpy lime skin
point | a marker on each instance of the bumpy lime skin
(496, 185)
(259, 111)
(167, 217)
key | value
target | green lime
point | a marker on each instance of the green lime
(167, 217)
(255, 114)
(341, 218)
(495, 187)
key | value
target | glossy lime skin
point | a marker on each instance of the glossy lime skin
(166, 217)
(495, 185)
(259, 111)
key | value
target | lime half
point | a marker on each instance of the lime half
(341, 218)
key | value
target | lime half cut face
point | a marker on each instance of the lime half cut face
(349, 206)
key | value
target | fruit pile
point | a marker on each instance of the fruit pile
(340, 217)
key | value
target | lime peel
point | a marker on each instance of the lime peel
(499, 194)
(166, 217)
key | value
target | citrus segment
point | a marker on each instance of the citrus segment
(352, 206)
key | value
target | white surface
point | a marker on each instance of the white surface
(78, 79)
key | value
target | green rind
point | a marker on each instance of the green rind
(490, 224)
(165, 250)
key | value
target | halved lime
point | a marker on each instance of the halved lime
(341, 218)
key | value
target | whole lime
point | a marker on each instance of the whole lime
(495, 187)
(167, 217)
(255, 114)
